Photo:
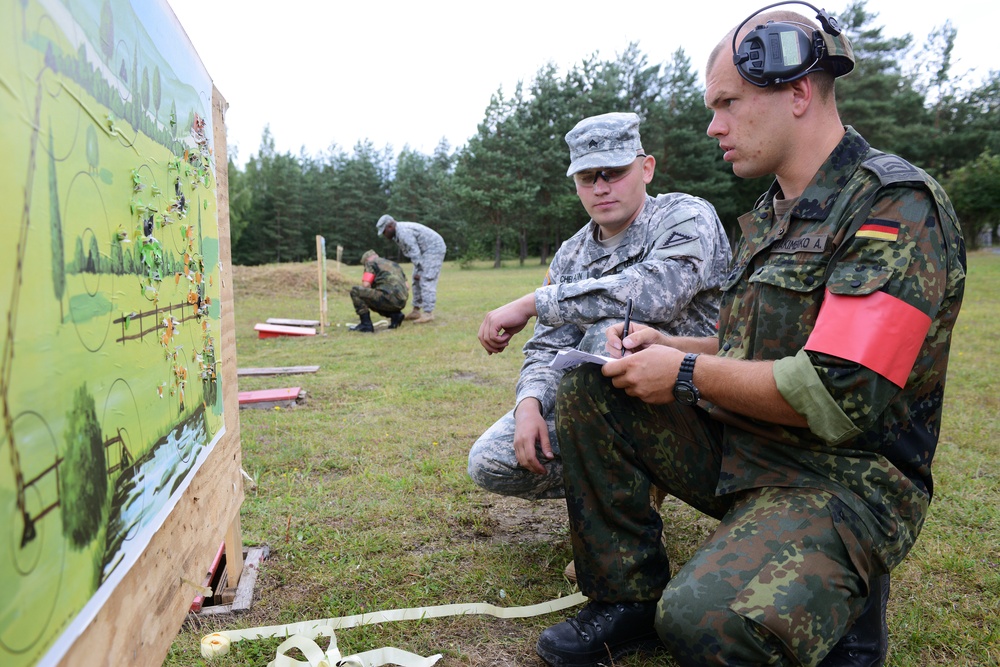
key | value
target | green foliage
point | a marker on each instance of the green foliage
(505, 193)
(83, 473)
(55, 218)
(495, 179)
(975, 192)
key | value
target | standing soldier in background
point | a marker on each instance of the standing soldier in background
(382, 289)
(425, 248)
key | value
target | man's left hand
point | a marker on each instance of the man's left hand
(648, 375)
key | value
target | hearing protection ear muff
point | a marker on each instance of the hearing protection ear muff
(781, 51)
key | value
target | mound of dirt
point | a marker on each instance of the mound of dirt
(298, 279)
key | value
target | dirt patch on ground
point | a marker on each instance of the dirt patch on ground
(517, 520)
(292, 279)
(469, 376)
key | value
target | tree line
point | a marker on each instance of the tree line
(505, 195)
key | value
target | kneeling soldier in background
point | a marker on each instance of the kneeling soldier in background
(383, 289)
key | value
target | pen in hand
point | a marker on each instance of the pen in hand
(628, 317)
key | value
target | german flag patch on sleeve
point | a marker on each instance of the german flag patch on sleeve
(884, 230)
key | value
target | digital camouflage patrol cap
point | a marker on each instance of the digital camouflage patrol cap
(383, 221)
(608, 140)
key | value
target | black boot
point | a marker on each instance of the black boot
(396, 319)
(867, 641)
(365, 325)
(601, 632)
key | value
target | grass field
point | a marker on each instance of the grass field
(361, 493)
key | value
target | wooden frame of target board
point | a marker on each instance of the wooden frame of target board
(120, 461)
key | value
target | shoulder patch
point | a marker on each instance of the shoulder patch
(874, 228)
(892, 169)
(677, 238)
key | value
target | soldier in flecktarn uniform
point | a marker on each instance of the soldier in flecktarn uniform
(807, 426)
(383, 289)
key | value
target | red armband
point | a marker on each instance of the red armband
(877, 330)
(368, 277)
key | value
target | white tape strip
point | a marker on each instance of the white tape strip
(301, 635)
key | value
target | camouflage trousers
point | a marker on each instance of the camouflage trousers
(383, 303)
(777, 583)
(494, 467)
(425, 289)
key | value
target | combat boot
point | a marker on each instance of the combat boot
(428, 316)
(867, 641)
(365, 325)
(395, 320)
(601, 631)
(413, 314)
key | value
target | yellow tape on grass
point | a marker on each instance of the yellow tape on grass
(301, 635)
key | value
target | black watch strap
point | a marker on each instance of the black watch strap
(686, 371)
(685, 392)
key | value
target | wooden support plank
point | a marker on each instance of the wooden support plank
(243, 595)
(284, 321)
(199, 599)
(274, 330)
(265, 395)
(251, 567)
(277, 370)
(266, 399)
(234, 550)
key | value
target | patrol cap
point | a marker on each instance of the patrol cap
(383, 221)
(608, 140)
(368, 255)
(839, 57)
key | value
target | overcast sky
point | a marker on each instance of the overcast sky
(325, 72)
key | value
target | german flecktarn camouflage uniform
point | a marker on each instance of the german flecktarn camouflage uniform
(854, 294)
(670, 262)
(388, 292)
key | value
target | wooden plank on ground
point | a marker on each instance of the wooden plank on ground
(292, 323)
(251, 566)
(284, 397)
(277, 370)
(274, 330)
(244, 591)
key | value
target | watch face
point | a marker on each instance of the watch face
(685, 393)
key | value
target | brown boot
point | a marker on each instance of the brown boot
(413, 314)
(424, 318)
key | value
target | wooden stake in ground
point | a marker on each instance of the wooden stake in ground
(321, 269)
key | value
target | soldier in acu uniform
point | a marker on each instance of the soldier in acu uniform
(382, 289)
(426, 249)
(807, 426)
(668, 254)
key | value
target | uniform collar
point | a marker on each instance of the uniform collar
(818, 197)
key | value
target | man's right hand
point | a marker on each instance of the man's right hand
(640, 337)
(530, 428)
(502, 324)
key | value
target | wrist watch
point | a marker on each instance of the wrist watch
(685, 392)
